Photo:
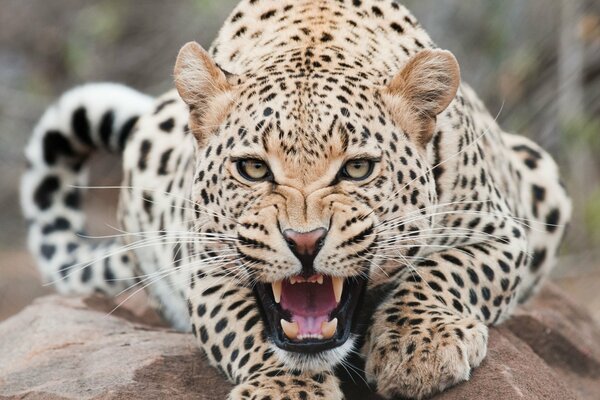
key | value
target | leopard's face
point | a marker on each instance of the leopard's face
(314, 185)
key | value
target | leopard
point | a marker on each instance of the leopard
(319, 188)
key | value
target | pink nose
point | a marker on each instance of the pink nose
(305, 244)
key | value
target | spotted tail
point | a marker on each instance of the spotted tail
(83, 120)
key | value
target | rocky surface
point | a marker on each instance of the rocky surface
(73, 348)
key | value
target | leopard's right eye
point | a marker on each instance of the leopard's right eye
(253, 170)
(357, 169)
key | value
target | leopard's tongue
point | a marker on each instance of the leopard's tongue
(309, 305)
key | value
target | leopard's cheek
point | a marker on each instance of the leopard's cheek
(262, 250)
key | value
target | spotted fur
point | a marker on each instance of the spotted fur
(458, 223)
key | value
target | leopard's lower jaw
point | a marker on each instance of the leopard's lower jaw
(326, 360)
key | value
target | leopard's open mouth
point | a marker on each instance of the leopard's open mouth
(309, 315)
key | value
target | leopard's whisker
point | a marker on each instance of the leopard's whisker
(522, 221)
(434, 207)
(161, 275)
(163, 272)
(195, 205)
(149, 242)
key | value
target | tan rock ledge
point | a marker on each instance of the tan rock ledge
(71, 348)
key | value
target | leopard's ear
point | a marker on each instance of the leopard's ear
(424, 88)
(204, 87)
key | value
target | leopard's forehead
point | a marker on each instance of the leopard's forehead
(305, 36)
(305, 120)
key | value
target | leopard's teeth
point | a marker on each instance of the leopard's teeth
(290, 329)
(328, 328)
(338, 287)
(320, 279)
(276, 286)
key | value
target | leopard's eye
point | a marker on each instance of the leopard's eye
(253, 170)
(358, 169)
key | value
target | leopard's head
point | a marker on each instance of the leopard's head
(319, 179)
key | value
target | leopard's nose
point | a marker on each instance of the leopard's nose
(305, 246)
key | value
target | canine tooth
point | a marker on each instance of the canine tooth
(290, 329)
(276, 286)
(338, 287)
(320, 279)
(328, 328)
(292, 280)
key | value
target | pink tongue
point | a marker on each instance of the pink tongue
(309, 303)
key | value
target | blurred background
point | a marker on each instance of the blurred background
(535, 63)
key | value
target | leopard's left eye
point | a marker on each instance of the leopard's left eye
(358, 169)
(253, 170)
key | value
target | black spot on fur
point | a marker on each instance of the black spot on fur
(539, 193)
(552, 220)
(43, 193)
(539, 256)
(109, 276)
(64, 270)
(59, 224)
(47, 251)
(268, 14)
(167, 125)
(397, 27)
(86, 275)
(212, 290)
(126, 131)
(228, 339)
(489, 273)
(486, 312)
(326, 37)
(377, 11)
(145, 148)
(222, 324)
(201, 310)
(106, 127)
(248, 342)
(55, 145)
(81, 126)
(73, 199)
(164, 160)
(459, 281)
(452, 259)
(163, 105)
(71, 247)
(203, 334)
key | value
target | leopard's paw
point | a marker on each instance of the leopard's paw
(426, 360)
(316, 387)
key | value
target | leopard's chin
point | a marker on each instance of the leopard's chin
(310, 315)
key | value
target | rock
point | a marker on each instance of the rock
(74, 348)
(564, 336)
(510, 371)
(70, 348)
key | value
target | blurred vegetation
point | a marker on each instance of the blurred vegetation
(536, 63)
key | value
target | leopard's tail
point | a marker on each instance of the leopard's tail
(85, 119)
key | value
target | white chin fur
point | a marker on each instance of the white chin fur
(323, 361)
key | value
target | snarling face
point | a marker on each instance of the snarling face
(320, 180)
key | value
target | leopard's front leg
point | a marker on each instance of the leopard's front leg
(431, 330)
(228, 326)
